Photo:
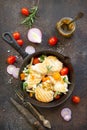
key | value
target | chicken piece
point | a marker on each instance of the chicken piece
(39, 68)
(53, 63)
(32, 80)
(61, 87)
(43, 95)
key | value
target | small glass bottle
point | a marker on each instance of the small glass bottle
(64, 29)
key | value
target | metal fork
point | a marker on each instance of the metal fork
(45, 122)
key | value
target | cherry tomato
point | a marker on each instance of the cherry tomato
(64, 71)
(20, 42)
(36, 60)
(25, 11)
(16, 35)
(11, 59)
(53, 40)
(76, 99)
(57, 97)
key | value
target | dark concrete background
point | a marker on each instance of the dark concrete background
(50, 11)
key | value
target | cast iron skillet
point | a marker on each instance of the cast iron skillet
(27, 58)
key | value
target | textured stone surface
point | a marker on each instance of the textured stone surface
(50, 11)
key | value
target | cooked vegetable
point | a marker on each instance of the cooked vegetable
(25, 11)
(11, 59)
(24, 85)
(53, 40)
(56, 95)
(42, 58)
(22, 76)
(16, 35)
(29, 20)
(56, 76)
(48, 68)
(45, 79)
(20, 42)
(30, 49)
(35, 35)
(76, 99)
(64, 71)
(36, 61)
(66, 80)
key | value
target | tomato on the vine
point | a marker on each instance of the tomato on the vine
(76, 99)
(64, 71)
(20, 42)
(53, 40)
(16, 35)
(25, 11)
(11, 59)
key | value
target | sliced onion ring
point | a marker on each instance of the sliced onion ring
(10, 69)
(30, 49)
(16, 72)
(67, 117)
(65, 111)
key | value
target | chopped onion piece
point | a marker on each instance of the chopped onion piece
(30, 49)
(35, 35)
(10, 69)
(67, 117)
(16, 72)
(65, 112)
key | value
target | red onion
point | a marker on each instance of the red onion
(29, 49)
(35, 35)
(10, 69)
(15, 73)
(67, 117)
(66, 114)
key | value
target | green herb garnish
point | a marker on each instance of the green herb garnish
(66, 80)
(49, 68)
(56, 93)
(27, 71)
(24, 85)
(29, 20)
(42, 58)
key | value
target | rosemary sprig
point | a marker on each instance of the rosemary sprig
(29, 20)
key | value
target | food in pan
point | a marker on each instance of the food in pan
(42, 78)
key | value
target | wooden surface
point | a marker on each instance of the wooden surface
(50, 11)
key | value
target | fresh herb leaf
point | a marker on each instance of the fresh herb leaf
(42, 58)
(66, 80)
(49, 68)
(29, 20)
(24, 85)
(56, 93)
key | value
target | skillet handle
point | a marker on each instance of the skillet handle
(7, 37)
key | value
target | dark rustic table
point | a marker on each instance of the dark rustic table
(50, 11)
